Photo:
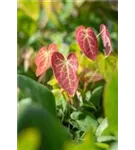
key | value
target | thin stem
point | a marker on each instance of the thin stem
(41, 77)
(100, 33)
(81, 58)
(83, 136)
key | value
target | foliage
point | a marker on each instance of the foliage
(67, 75)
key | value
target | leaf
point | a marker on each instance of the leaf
(103, 146)
(114, 146)
(65, 70)
(88, 143)
(52, 9)
(107, 65)
(66, 10)
(43, 58)
(53, 82)
(28, 139)
(22, 105)
(103, 125)
(106, 39)
(97, 96)
(106, 138)
(52, 133)
(30, 8)
(79, 3)
(111, 103)
(87, 41)
(84, 122)
(37, 92)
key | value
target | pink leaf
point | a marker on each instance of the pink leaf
(87, 41)
(106, 39)
(65, 70)
(43, 58)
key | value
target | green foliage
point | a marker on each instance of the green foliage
(83, 122)
(111, 103)
(38, 93)
(47, 117)
(107, 65)
(29, 139)
(30, 8)
(35, 116)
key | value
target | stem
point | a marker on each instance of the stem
(41, 77)
(92, 76)
(83, 135)
(81, 58)
(100, 33)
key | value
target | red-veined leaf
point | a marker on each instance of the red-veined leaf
(43, 58)
(87, 41)
(106, 39)
(65, 70)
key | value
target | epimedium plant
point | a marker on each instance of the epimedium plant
(80, 109)
(65, 68)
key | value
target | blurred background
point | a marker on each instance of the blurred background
(43, 22)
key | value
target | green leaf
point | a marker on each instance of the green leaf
(52, 133)
(29, 139)
(88, 105)
(22, 105)
(107, 65)
(103, 125)
(88, 143)
(67, 10)
(85, 122)
(106, 138)
(30, 8)
(37, 92)
(114, 146)
(96, 96)
(103, 146)
(111, 103)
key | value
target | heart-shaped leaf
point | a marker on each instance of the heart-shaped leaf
(65, 70)
(43, 58)
(106, 39)
(87, 41)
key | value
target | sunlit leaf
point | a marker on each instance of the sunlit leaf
(30, 8)
(107, 65)
(43, 58)
(103, 125)
(111, 103)
(106, 39)
(88, 143)
(103, 146)
(52, 9)
(65, 70)
(53, 82)
(79, 3)
(106, 138)
(87, 41)
(29, 139)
